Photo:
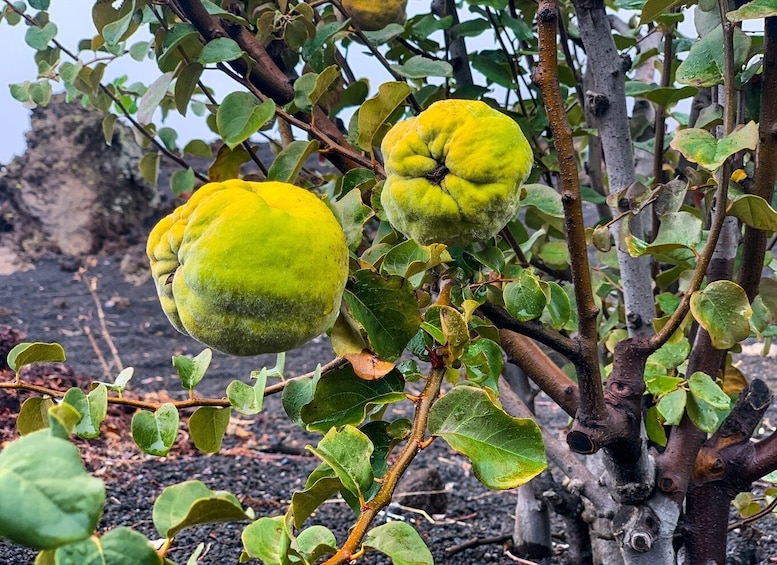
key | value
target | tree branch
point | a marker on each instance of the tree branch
(383, 497)
(754, 245)
(533, 329)
(533, 361)
(592, 406)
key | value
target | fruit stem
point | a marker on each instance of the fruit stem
(438, 174)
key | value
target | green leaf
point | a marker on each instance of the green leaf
(37, 352)
(558, 307)
(310, 87)
(705, 63)
(62, 420)
(155, 432)
(663, 384)
(677, 230)
(654, 8)
(191, 503)
(120, 546)
(290, 161)
(483, 362)
(139, 50)
(39, 37)
(418, 66)
(347, 451)
(34, 415)
(109, 121)
(703, 415)
(724, 311)
(409, 258)
(672, 406)
(654, 426)
(381, 36)
(207, 427)
(375, 111)
(182, 182)
(151, 99)
(296, 394)
(702, 387)
(20, 92)
(663, 96)
(753, 10)
(386, 308)
(545, 199)
(352, 213)
(219, 50)
(48, 497)
(198, 148)
(524, 298)
(554, 254)
(267, 540)
(753, 211)
(241, 115)
(400, 542)
(185, 85)
(506, 452)
(245, 399)
(315, 542)
(40, 92)
(92, 408)
(341, 398)
(192, 370)
(320, 487)
(39, 4)
(149, 167)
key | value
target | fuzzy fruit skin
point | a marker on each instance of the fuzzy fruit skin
(250, 267)
(372, 15)
(454, 172)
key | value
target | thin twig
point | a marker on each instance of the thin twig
(97, 352)
(91, 284)
(476, 542)
(755, 517)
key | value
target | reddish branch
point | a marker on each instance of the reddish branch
(754, 245)
(269, 80)
(723, 469)
(533, 361)
(592, 405)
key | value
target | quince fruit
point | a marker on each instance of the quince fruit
(454, 172)
(250, 267)
(372, 15)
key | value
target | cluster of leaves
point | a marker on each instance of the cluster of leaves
(408, 305)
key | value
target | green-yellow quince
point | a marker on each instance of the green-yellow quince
(454, 172)
(372, 15)
(250, 267)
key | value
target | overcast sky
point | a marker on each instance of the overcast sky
(74, 22)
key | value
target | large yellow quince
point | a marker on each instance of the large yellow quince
(454, 172)
(250, 267)
(372, 15)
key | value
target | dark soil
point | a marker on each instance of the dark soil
(263, 458)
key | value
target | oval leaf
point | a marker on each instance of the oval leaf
(155, 432)
(724, 311)
(506, 452)
(120, 546)
(207, 427)
(37, 352)
(400, 542)
(48, 497)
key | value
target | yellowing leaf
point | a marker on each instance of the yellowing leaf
(701, 147)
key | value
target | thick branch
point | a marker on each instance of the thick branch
(457, 49)
(546, 77)
(533, 361)
(754, 245)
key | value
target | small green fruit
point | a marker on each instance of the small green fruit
(454, 173)
(250, 267)
(372, 15)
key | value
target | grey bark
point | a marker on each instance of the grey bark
(607, 102)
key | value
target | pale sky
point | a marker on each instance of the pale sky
(74, 22)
